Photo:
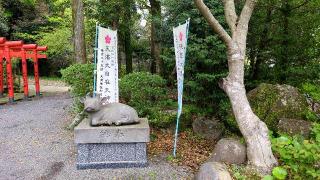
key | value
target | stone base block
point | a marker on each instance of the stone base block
(114, 155)
(112, 146)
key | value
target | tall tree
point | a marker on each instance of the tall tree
(155, 11)
(253, 129)
(206, 53)
(78, 31)
(281, 41)
(128, 4)
(256, 55)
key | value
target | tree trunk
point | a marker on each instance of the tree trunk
(253, 130)
(156, 64)
(78, 31)
(284, 53)
(127, 35)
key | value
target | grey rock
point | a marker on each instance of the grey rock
(211, 129)
(294, 127)
(109, 114)
(213, 171)
(271, 102)
(230, 151)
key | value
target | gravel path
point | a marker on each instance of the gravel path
(34, 144)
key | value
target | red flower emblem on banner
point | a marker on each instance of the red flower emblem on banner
(108, 39)
(181, 36)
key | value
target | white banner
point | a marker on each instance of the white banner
(107, 65)
(180, 35)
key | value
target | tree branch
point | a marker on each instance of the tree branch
(230, 14)
(242, 27)
(213, 22)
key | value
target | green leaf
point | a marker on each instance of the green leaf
(268, 177)
(279, 173)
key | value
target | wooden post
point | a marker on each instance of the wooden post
(36, 67)
(24, 50)
(7, 46)
(2, 41)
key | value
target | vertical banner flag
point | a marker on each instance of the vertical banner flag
(107, 64)
(180, 36)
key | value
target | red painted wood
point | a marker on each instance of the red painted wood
(13, 43)
(9, 74)
(1, 74)
(42, 56)
(29, 46)
(25, 74)
(36, 72)
(42, 48)
(16, 49)
(2, 40)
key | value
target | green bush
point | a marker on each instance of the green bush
(80, 78)
(300, 157)
(312, 90)
(148, 94)
(160, 117)
(143, 91)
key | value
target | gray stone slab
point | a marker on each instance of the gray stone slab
(84, 133)
(113, 155)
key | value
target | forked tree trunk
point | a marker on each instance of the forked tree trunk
(252, 128)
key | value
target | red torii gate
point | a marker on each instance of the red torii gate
(2, 40)
(16, 49)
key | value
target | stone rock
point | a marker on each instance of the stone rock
(230, 151)
(294, 127)
(271, 102)
(211, 129)
(213, 171)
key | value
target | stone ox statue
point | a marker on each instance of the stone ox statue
(108, 114)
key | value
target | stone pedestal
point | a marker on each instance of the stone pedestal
(111, 146)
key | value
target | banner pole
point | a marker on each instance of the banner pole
(95, 60)
(180, 104)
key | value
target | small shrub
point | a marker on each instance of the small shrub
(143, 91)
(80, 78)
(279, 173)
(161, 119)
(299, 157)
(311, 116)
(312, 90)
(240, 172)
